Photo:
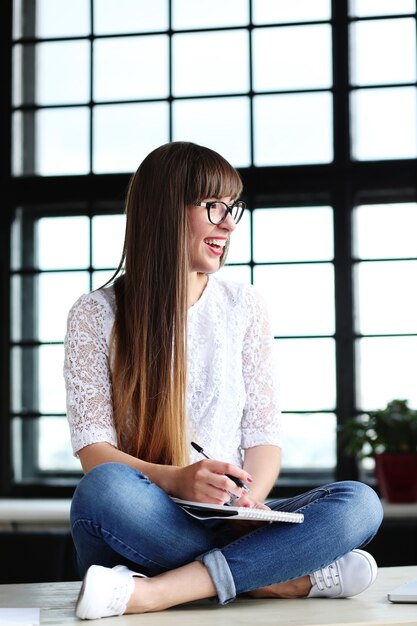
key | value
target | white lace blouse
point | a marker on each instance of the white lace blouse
(231, 400)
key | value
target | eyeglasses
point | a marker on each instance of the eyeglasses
(217, 211)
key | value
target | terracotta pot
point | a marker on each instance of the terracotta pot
(397, 476)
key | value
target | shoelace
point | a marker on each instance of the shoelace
(327, 577)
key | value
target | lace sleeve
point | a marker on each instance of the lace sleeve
(87, 374)
(261, 416)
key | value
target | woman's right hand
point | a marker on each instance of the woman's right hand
(206, 481)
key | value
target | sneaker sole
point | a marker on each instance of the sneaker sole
(372, 564)
(82, 608)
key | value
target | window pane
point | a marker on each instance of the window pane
(53, 21)
(218, 123)
(366, 8)
(387, 297)
(101, 277)
(386, 370)
(57, 293)
(281, 11)
(297, 57)
(384, 123)
(373, 62)
(138, 67)
(62, 141)
(239, 251)
(309, 440)
(300, 298)
(22, 397)
(306, 374)
(62, 72)
(210, 63)
(108, 237)
(38, 383)
(293, 129)
(209, 13)
(130, 16)
(124, 134)
(55, 244)
(239, 273)
(294, 234)
(51, 382)
(54, 448)
(386, 231)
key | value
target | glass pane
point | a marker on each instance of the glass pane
(366, 8)
(19, 166)
(101, 277)
(54, 447)
(239, 251)
(387, 297)
(209, 13)
(300, 298)
(21, 397)
(125, 133)
(281, 11)
(62, 145)
(108, 238)
(293, 234)
(386, 231)
(210, 63)
(130, 16)
(55, 243)
(384, 123)
(306, 374)
(52, 20)
(373, 62)
(225, 127)
(386, 369)
(138, 67)
(239, 273)
(57, 293)
(17, 70)
(62, 72)
(293, 129)
(309, 440)
(51, 380)
(298, 57)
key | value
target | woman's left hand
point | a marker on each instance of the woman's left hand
(243, 527)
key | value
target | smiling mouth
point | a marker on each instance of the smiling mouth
(217, 244)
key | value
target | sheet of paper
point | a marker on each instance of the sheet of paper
(20, 617)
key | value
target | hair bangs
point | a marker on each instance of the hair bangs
(213, 177)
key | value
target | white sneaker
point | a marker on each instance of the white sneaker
(346, 577)
(105, 591)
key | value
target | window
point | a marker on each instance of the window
(316, 111)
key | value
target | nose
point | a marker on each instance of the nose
(229, 223)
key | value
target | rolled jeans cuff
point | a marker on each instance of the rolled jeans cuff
(220, 575)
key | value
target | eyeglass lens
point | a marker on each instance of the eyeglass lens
(219, 210)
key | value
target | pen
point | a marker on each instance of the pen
(236, 480)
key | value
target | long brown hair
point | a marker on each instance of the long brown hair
(149, 335)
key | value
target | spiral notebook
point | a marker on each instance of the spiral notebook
(203, 511)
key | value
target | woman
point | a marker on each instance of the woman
(171, 353)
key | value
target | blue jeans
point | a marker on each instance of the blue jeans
(119, 516)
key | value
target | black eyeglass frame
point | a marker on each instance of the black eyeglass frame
(228, 209)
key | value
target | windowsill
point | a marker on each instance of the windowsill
(45, 513)
(399, 511)
(40, 514)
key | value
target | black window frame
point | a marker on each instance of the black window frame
(343, 184)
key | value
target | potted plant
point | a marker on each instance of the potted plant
(390, 437)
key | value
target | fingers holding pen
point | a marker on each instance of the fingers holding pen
(206, 481)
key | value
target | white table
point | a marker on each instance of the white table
(371, 608)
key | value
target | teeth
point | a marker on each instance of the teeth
(216, 242)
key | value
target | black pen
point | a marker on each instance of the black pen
(236, 480)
